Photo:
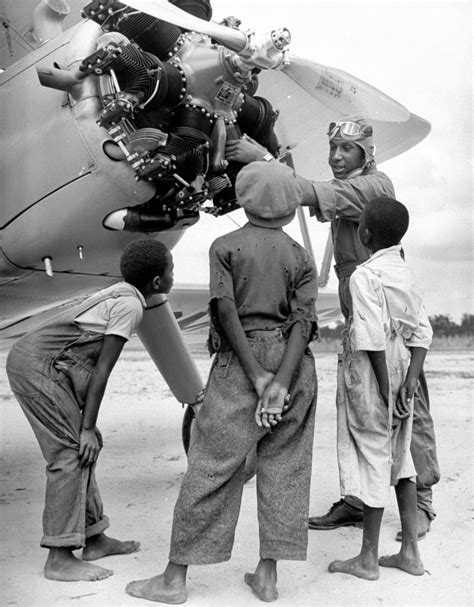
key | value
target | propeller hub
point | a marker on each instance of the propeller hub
(267, 51)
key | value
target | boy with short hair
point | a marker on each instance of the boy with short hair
(388, 337)
(58, 373)
(263, 289)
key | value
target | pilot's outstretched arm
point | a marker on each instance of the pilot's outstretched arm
(337, 197)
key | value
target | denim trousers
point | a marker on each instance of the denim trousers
(225, 432)
(50, 383)
(423, 442)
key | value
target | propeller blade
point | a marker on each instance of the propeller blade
(233, 39)
(301, 93)
(344, 93)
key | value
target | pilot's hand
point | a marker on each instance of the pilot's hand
(89, 447)
(244, 150)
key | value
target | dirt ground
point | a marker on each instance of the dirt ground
(140, 470)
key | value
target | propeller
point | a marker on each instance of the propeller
(266, 52)
(231, 38)
(334, 88)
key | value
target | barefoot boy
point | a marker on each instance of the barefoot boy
(263, 288)
(388, 336)
(59, 373)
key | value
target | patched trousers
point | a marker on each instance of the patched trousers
(225, 432)
(73, 508)
(423, 452)
(423, 441)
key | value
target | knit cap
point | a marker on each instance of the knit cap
(268, 192)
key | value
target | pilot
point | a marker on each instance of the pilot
(341, 201)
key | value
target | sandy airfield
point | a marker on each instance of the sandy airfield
(140, 470)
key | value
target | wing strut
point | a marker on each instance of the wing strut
(287, 158)
(326, 263)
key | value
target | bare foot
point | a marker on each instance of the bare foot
(61, 565)
(357, 567)
(100, 545)
(158, 589)
(410, 565)
(264, 589)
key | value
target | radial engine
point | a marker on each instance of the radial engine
(170, 99)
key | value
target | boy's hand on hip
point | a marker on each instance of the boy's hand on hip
(89, 447)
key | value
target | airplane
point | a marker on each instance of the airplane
(114, 122)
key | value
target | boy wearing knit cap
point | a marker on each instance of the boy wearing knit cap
(260, 395)
(341, 201)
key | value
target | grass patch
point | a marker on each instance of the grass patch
(197, 343)
(442, 343)
(453, 342)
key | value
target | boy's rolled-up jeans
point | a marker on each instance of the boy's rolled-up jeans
(73, 507)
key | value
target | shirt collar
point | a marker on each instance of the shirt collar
(389, 251)
(355, 173)
(368, 168)
(136, 291)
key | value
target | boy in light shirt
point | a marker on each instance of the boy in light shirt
(388, 337)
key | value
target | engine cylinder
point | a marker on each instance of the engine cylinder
(257, 118)
(158, 37)
(199, 8)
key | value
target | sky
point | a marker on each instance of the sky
(419, 53)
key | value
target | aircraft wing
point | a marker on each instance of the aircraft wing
(188, 302)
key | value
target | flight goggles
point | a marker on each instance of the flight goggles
(350, 131)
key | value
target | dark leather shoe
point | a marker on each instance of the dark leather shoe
(341, 514)
(423, 523)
